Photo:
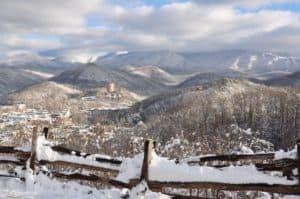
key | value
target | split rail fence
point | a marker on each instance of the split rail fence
(106, 175)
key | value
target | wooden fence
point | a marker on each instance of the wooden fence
(106, 175)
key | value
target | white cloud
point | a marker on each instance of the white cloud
(50, 16)
(243, 3)
(186, 26)
(194, 26)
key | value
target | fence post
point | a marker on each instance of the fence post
(33, 148)
(45, 132)
(298, 158)
(148, 148)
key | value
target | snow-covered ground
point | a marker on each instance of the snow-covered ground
(160, 169)
(45, 188)
(42, 187)
(163, 169)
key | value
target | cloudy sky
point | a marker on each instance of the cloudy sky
(82, 28)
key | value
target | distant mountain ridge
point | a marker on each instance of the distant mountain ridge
(26, 69)
(44, 94)
(292, 80)
(236, 60)
(150, 72)
(38, 62)
(251, 62)
(12, 79)
(156, 74)
(205, 78)
(91, 76)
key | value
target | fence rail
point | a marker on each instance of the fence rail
(275, 188)
(237, 157)
(64, 150)
(263, 162)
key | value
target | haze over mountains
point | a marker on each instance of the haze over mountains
(149, 73)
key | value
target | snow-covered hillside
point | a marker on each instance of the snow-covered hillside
(264, 62)
(157, 74)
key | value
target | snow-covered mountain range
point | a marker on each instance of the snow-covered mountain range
(236, 60)
(148, 72)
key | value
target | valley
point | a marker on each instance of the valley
(113, 109)
(146, 101)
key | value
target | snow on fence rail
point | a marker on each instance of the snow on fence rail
(249, 173)
(263, 162)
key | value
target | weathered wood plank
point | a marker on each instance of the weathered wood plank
(75, 176)
(111, 161)
(298, 157)
(64, 150)
(46, 132)
(234, 157)
(94, 178)
(77, 165)
(12, 176)
(33, 148)
(18, 163)
(275, 165)
(11, 149)
(148, 147)
(177, 196)
(275, 188)
(7, 149)
(278, 165)
(15, 153)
